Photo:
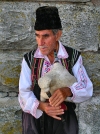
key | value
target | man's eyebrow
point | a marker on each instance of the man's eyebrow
(46, 35)
(36, 34)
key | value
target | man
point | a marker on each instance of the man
(44, 117)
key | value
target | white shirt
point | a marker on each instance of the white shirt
(82, 89)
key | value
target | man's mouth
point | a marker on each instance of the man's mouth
(42, 47)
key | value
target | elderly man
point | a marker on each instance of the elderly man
(44, 117)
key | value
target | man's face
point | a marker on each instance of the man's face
(46, 41)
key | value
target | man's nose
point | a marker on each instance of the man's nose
(41, 41)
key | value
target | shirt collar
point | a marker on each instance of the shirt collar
(62, 53)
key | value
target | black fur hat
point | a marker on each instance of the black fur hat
(47, 17)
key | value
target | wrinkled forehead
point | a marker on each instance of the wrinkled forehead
(44, 32)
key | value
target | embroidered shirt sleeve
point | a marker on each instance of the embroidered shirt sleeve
(83, 79)
(26, 97)
(83, 88)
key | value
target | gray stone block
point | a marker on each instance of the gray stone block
(89, 116)
(80, 26)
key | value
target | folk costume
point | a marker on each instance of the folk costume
(35, 65)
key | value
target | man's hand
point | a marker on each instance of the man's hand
(51, 110)
(59, 96)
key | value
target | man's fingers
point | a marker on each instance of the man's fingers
(56, 99)
(56, 117)
(54, 111)
(57, 112)
(57, 102)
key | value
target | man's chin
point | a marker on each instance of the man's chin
(44, 53)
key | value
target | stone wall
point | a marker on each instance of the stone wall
(81, 30)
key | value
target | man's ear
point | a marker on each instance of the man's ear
(58, 35)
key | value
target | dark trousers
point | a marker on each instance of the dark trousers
(48, 125)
